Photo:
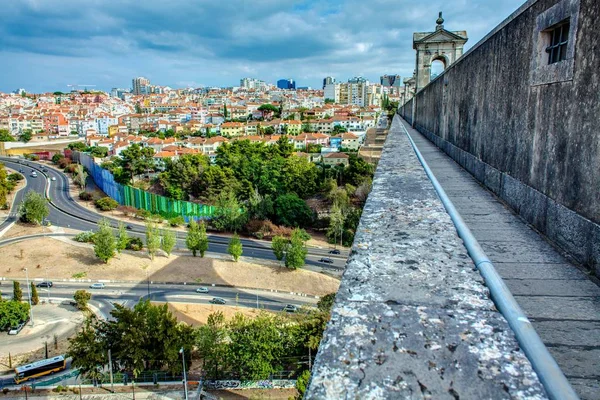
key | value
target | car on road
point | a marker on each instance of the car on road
(47, 284)
(33, 174)
(18, 328)
(202, 290)
(53, 178)
(326, 260)
(290, 308)
(334, 251)
(21, 170)
(217, 300)
(44, 170)
(129, 227)
(97, 286)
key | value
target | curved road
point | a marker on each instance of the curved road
(66, 212)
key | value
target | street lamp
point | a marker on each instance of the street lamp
(29, 296)
(48, 283)
(184, 376)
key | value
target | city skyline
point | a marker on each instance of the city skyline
(52, 44)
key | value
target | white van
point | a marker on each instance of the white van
(97, 286)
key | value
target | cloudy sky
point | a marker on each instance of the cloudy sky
(47, 44)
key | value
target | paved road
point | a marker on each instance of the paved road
(560, 300)
(130, 293)
(67, 213)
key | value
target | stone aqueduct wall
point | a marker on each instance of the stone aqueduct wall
(528, 131)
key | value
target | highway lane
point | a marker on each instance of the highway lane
(128, 294)
(30, 184)
(65, 212)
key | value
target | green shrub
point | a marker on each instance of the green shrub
(85, 196)
(142, 214)
(106, 204)
(177, 221)
(15, 177)
(134, 244)
(84, 237)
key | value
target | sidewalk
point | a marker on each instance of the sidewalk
(560, 300)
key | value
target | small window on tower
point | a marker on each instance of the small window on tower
(559, 38)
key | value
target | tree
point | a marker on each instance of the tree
(196, 239)
(17, 292)
(104, 241)
(336, 223)
(34, 208)
(296, 254)
(80, 176)
(122, 238)
(106, 204)
(212, 344)
(5, 136)
(82, 297)
(326, 302)
(12, 313)
(229, 214)
(300, 176)
(136, 159)
(25, 136)
(88, 350)
(290, 210)
(98, 151)
(35, 299)
(152, 239)
(280, 244)
(303, 380)
(235, 247)
(77, 146)
(168, 242)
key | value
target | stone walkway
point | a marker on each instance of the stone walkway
(561, 301)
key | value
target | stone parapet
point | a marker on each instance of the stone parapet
(413, 317)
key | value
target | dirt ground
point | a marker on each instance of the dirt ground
(21, 229)
(197, 314)
(65, 258)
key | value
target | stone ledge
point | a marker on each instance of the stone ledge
(413, 318)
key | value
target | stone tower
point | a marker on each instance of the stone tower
(441, 44)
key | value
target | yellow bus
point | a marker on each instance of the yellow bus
(40, 368)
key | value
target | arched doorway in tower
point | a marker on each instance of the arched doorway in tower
(438, 65)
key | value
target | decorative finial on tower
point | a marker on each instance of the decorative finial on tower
(439, 21)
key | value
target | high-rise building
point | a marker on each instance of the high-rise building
(140, 85)
(352, 92)
(332, 92)
(328, 81)
(286, 84)
(252, 83)
(118, 92)
(391, 80)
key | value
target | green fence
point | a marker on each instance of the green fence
(134, 197)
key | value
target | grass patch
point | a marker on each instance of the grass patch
(79, 275)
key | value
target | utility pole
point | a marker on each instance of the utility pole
(29, 297)
(185, 390)
(112, 389)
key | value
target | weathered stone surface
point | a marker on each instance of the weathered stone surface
(413, 318)
(582, 363)
(573, 333)
(392, 351)
(555, 307)
(588, 389)
(552, 287)
(513, 270)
